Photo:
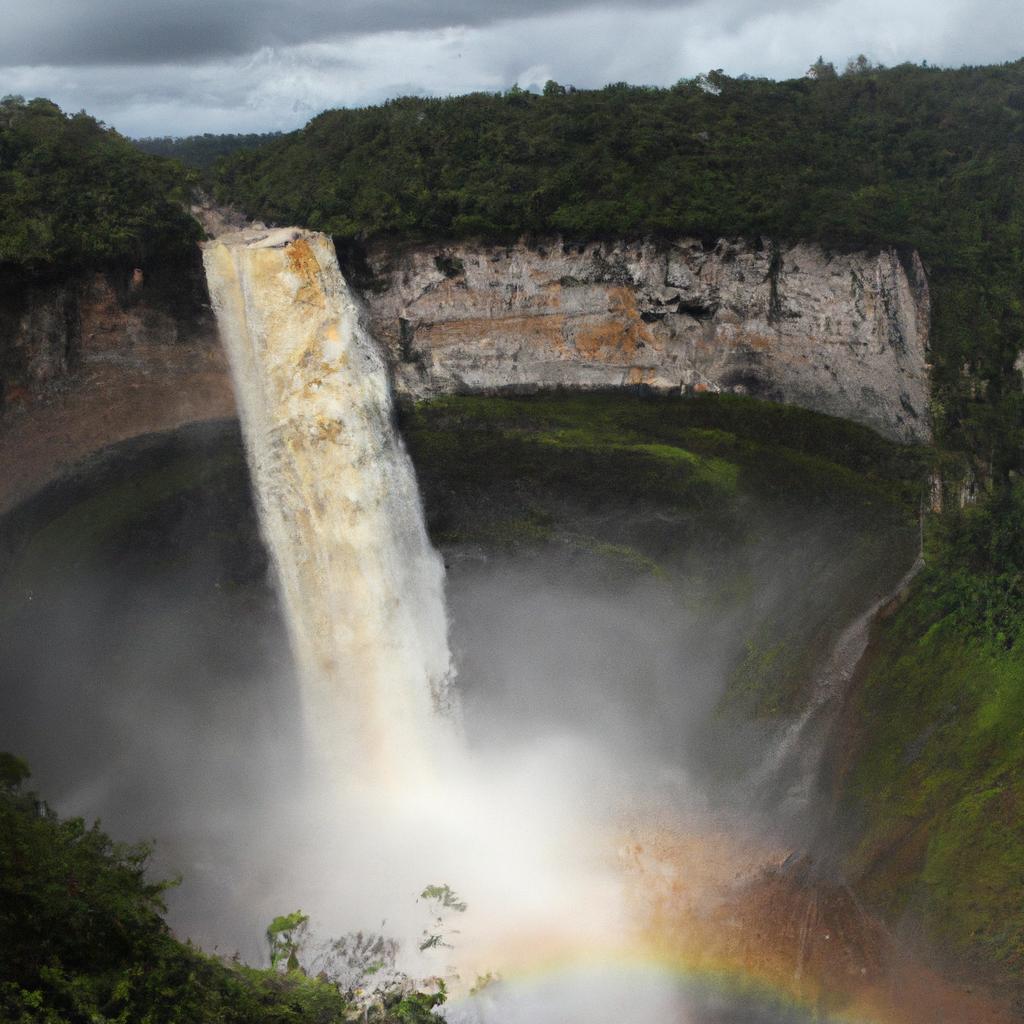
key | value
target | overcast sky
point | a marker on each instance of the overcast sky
(176, 67)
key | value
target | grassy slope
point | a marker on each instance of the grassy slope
(692, 492)
(938, 775)
(124, 501)
(612, 448)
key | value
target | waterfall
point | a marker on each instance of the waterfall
(361, 586)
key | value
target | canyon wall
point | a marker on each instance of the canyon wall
(91, 361)
(845, 334)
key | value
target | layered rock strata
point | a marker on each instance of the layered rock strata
(845, 334)
(84, 364)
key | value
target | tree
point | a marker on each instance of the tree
(822, 70)
(860, 65)
(285, 937)
(442, 901)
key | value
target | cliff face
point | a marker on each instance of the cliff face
(41, 337)
(841, 334)
(88, 362)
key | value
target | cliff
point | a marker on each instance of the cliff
(92, 360)
(95, 360)
(844, 334)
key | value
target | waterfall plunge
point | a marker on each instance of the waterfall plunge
(363, 590)
(513, 828)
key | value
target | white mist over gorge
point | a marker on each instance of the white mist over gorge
(557, 812)
(364, 603)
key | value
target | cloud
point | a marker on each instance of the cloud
(73, 32)
(261, 68)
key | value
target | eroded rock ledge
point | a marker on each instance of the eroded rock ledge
(845, 334)
(90, 362)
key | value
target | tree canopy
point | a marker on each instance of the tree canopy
(84, 941)
(912, 157)
(201, 151)
(75, 193)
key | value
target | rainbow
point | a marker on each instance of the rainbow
(658, 989)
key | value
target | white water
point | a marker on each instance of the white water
(526, 834)
(363, 595)
(362, 588)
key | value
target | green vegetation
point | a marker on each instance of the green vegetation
(74, 194)
(693, 493)
(285, 935)
(702, 454)
(937, 764)
(908, 157)
(202, 152)
(123, 506)
(84, 941)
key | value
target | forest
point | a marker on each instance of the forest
(202, 151)
(74, 194)
(912, 157)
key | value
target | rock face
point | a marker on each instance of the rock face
(41, 332)
(88, 362)
(85, 364)
(845, 334)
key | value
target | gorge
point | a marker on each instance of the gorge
(729, 520)
(296, 343)
(365, 610)
(843, 334)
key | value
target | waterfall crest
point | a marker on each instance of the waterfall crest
(362, 588)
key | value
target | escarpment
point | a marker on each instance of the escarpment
(94, 360)
(844, 334)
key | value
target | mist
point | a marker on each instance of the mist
(151, 686)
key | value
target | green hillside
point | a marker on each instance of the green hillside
(74, 193)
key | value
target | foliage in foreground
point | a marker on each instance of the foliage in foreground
(84, 941)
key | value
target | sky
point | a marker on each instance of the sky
(179, 67)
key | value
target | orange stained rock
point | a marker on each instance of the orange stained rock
(640, 375)
(303, 263)
(757, 341)
(621, 334)
(714, 902)
(511, 331)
